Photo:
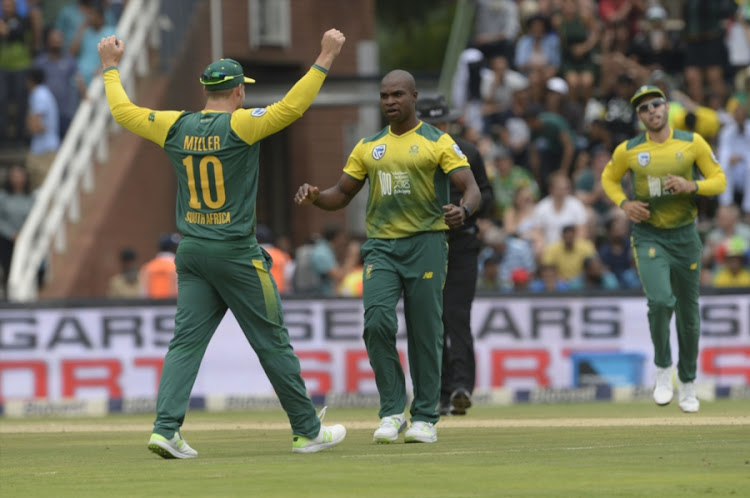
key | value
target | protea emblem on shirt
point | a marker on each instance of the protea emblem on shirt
(644, 158)
(378, 152)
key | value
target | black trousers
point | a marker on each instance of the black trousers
(459, 366)
(6, 251)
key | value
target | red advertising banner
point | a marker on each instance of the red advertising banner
(520, 343)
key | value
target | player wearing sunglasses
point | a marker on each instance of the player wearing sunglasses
(666, 245)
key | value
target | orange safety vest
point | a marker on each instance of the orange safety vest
(159, 278)
(280, 260)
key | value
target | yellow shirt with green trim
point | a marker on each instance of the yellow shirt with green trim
(649, 164)
(409, 177)
(214, 153)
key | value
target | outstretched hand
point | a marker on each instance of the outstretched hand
(306, 194)
(110, 51)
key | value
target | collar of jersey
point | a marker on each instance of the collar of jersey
(671, 136)
(406, 133)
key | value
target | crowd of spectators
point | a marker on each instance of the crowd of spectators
(47, 58)
(546, 98)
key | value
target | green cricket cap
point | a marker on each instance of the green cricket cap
(646, 91)
(223, 75)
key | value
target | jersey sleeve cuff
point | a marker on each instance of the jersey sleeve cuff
(696, 187)
(622, 202)
(110, 68)
(324, 71)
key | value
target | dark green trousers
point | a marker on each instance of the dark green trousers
(669, 264)
(415, 267)
(214, 276)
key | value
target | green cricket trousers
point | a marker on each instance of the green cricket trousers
(214, 276)
(415, 266)
(669, 264)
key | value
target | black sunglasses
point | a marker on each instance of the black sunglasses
(216, 77)
(652, 104)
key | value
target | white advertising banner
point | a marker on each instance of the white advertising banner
(117, 352)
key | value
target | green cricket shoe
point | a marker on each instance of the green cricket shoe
(171, 448)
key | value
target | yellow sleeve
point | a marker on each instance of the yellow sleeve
(613, 173)
(452, 157)
(144, 122)
(254, 124)
(355, 167)
(715, 182)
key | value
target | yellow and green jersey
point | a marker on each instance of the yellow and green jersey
(214, 153)
(409, 179)
(649, 164)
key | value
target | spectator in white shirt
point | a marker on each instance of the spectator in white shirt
(560, 208)
(734, 157)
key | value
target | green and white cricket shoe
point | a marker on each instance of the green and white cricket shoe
(171, 448)
(389, 429)
(421, 432)
(326, 438)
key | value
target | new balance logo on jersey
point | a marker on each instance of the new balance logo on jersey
(427, 275)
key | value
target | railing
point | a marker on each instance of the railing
(58, 199)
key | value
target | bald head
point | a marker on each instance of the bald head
(400, 78)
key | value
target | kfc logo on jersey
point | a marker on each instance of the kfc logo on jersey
(258, 112)
(378, 152)
(644, 158)
(459, 151)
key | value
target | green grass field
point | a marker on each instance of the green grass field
(593, 449)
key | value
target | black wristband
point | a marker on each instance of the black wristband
(467, 210)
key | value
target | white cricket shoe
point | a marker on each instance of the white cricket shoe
(389, 429)
(688, 401)
(327, 437)
(421, 432)
(171, 448)
(664, 389)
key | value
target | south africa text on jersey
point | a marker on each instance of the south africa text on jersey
(201, 144)
(221, 218)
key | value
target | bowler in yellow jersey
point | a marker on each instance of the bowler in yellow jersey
(665, 241)
(409, 166)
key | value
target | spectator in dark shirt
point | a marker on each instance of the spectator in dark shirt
(615, 251)
(61, 77)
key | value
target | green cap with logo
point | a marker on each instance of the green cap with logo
(223, 75)
(646, 91)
